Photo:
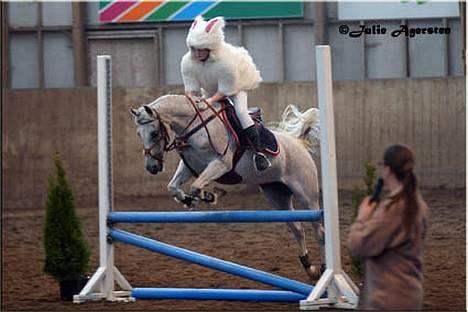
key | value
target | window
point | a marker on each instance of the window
(40, 47)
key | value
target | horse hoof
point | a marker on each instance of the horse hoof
(314, 272)
(190, 202)
(219, 192)
(209, 198)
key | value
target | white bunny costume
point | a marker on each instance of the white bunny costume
(228, 70)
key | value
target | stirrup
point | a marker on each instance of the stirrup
(261, 161)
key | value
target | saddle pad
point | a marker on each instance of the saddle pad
(268, 140)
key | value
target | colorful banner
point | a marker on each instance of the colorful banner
(121, 11)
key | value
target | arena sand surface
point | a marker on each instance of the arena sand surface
(270, 247)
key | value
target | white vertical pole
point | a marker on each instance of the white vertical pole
(102, 283)
(104, 94)
(341, 291)
(328, 157)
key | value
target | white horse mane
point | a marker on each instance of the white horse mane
(162, 98)
(154, 104)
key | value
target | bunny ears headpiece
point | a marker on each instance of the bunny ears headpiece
(206, 34)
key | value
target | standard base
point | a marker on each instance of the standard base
(93, 290)
(325, 303)
(117, 296)
(342, 293)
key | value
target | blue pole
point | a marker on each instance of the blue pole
(210, 262)
(217, 294)
(216, 216)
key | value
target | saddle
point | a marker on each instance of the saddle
(233, 125)
(267, 137)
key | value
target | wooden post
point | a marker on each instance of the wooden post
(5, 46)
(320, 23)
(462, 6)
(79, 43)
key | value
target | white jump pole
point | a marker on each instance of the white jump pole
(341, 291)
(102, 283)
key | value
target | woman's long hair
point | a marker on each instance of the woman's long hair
(400, 159)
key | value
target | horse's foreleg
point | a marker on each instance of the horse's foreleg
(215, 169)
(181, 175)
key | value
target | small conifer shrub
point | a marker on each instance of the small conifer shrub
(66, 250)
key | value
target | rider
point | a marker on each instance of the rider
(215, 70)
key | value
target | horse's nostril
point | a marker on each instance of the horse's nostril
(153, 169)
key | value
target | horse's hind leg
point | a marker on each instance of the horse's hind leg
(306, 192)
(280, 197)
(309, 200)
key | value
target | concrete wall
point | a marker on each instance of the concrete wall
(428, 114)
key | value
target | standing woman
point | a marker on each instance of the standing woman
(389, 236)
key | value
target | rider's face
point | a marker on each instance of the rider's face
(200, 54)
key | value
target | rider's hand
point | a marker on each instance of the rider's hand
(218, 96)
(196, 96)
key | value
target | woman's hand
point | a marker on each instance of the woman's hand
(366, 209)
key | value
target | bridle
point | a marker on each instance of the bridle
(165, 136)
(180, 142)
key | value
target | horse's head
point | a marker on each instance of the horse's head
(154, 136)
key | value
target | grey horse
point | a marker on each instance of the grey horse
(210, 149)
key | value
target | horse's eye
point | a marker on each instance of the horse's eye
(154, 134)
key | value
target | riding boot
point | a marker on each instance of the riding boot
(260, 160)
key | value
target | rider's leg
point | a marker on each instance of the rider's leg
(241, 109)
(248, 126)
(260, 159)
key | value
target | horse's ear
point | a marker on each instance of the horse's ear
(148, 110)
(134, 112)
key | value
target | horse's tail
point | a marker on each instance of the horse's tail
(303, 126)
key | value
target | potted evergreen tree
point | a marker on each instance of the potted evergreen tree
(66, 250)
